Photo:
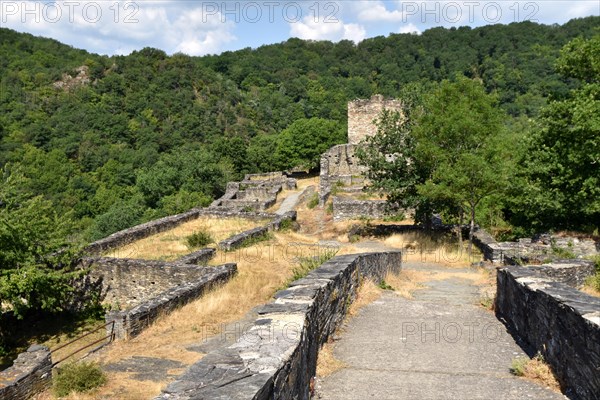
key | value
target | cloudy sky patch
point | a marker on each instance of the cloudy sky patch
(208, 27)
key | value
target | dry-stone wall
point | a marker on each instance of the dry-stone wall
(127, 282)
(131, 322)
(30, 374)
(276, 357)
(142, 231)
(562, 323)
(347, 208)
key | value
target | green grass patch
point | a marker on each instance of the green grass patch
(251, 241)
(398, 217)
(518, 366)
(199, 238)
(307, 264)
(78, 377)
(313, 201)
(286, 225)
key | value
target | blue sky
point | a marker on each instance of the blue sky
(208, 27)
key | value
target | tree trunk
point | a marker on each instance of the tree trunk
(459, 230)
(471, 231)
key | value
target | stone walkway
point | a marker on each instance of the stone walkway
(439, 345)
(290, 202)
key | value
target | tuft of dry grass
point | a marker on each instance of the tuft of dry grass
(327, 364)
(536, 370)
(172, 244)
(406, 282)
(367, 293)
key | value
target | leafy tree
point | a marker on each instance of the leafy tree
(559, 185)
(37, 264)
(444, 155)
(302, 143)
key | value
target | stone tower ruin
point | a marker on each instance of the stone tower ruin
(362, 113)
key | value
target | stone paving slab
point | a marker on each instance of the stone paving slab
(439, 345)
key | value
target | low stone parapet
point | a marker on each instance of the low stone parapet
(563, 324)
(30, 374)
(276, 357)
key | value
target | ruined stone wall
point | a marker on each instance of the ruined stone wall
(142, 231)
(345, 208)
(555, 319)
(132, 322)
(339, 164)
(276, 357)
(129, 282)
(362, 113)
(30, 374)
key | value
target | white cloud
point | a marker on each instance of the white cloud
(376, 11)
(119, 28)
(311, 29)
(354, 32)
(409, 28)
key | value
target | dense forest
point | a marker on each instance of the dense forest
(130, 138)
(507, 134)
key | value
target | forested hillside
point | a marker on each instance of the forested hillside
(130, 138)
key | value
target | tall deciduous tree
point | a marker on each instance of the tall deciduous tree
(459, 139)
(443, 153)
(560, 181)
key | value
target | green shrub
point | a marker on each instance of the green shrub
(329, 208)
(198, 239)
(77, 377)
(313, 202)
(594, 280)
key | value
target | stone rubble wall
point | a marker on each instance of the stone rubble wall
(344, 208)
(537, 250)
(256, 192)
(238, 240)
(276, 357)
(340, 164)
(560, 322)
(147, 229)
(30, 374)
(127, 282)
(132, 322)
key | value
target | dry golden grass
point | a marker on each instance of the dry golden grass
(327, 364)
(421, 247)
(536, 370)
(171, 244)
(367, 293)
(262, 269)
(62, 339)
(118, 386)
(407, 282)
(590, 290)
